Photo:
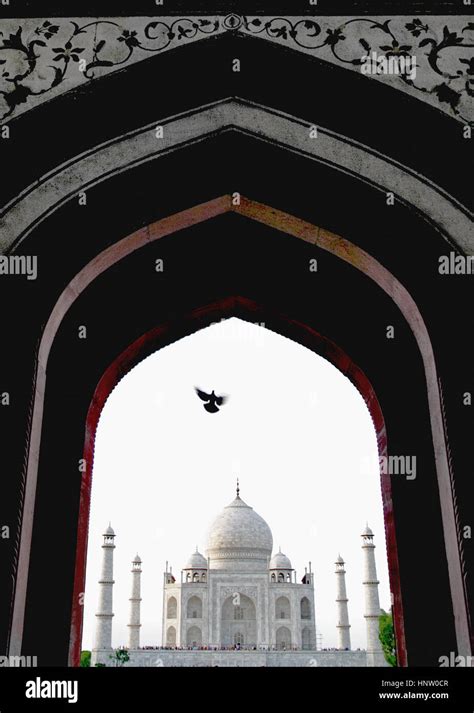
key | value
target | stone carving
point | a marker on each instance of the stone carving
(40, 58)
(250, 592)
(248, 554)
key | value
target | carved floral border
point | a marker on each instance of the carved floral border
(41, 58)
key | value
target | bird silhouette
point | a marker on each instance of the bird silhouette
(213, 401)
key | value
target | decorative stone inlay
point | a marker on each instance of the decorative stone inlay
(247, 591)
(41, 58)
(237, 554)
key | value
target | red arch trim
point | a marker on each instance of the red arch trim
(167, 333)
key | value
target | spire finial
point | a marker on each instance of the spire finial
(238, 489)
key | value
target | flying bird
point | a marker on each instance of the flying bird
(213, 401)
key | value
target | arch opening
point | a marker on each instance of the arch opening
(355, 377)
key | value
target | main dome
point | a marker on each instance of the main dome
(239, 538)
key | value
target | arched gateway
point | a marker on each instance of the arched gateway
(370, 261)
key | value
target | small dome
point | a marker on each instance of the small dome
(280, 561)
(196, 561)
(137, 559)
(109, 532)
(367, 532)
(339, 560)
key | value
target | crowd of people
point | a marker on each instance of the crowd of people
(233, 647)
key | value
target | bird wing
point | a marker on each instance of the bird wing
(221, 399)
(202, 394)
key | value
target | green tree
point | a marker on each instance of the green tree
(85, 659)
(120, 656)
(387, 637)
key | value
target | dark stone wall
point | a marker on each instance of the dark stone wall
(231, 255)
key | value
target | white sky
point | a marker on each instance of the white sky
(295, 431)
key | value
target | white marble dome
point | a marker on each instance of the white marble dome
(239, 538)
(196, 561)
(280, 561)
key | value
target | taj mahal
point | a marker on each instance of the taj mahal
(239, 605)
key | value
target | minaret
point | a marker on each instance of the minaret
(103, 631)
(135, 599)
(375, 655)
(343, 626)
